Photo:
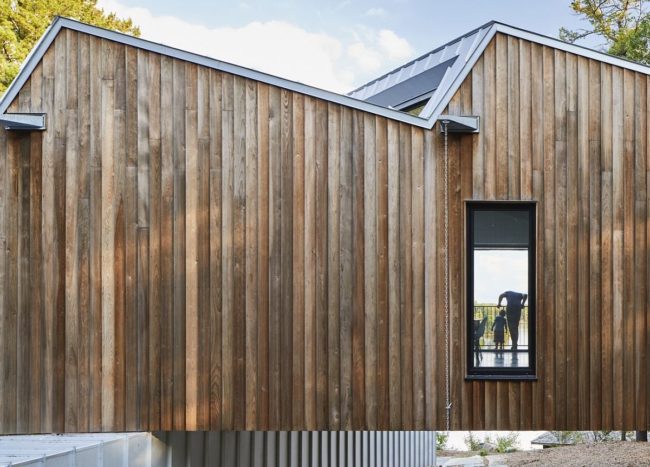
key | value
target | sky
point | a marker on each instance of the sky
(337, 45)
(497, 271)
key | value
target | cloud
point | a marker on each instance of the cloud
(372, 49)
(280, 48)
(377, 12)
(397, 48)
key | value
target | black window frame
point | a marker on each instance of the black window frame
(494, 373)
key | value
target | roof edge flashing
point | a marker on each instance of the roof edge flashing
(23, 121)
(459, 123)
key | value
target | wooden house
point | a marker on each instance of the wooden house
(188, 245)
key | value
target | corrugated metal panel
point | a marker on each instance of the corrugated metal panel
(297, 449)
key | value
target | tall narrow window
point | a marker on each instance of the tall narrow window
(501, 290)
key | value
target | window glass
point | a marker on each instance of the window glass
(500, 292)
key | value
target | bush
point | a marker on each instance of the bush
(602, 436)
(473, 442)
(483, 452)
(507, 443)
(568, 437)
(442, 438)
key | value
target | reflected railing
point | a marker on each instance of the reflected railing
(492, 311)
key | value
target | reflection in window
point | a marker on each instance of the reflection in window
(500, 289)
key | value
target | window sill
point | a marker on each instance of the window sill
(488, 377)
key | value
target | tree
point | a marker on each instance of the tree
(23, 22)
(624, 24)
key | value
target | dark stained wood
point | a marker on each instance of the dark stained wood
(187, 249)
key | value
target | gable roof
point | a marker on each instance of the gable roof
(404, 86)
(449, 65)
(59, 23)
(434, 77)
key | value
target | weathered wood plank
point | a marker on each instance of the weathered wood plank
(618, 280)
(299, 254)
(251, 255)
(72, 336)
(191, 195)
(178, 249)
(166, 244)
(333, 265)
(394, 333)
(381, 288)
(346, 274)
(275, 265)
(537, 155)
(417, 252)
(357, 255)
(322, 356)
(571, 244)
(595, 347)
(286, 230)
(501, 116)
(154, 260)
(107, 244)
(123, 243)
(431, 326)
(607, 382)
(239, 253)
(582, 274)
(641, 243)
(406, 273)
(10, 264)
(227, 252)
(215, 245)
(370, 269)
(560, 224)
(264, 207)
(310, 263)
(629, 248)
(548, 220)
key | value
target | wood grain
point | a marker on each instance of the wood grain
(188, 249)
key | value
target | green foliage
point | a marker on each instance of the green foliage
(483, 452)
(473, 442)
(568, 437)
(603, 436)
(507, 443)
(624, 24)
(23, 22)
(442, 438)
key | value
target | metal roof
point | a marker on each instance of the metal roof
(426, 76)
(457, 58)
(435, 76)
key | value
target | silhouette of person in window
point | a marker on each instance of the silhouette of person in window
(499, 327)
(514, 303)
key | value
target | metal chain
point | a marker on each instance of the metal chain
(446, 303)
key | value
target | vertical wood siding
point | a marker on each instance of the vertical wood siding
(185, 249)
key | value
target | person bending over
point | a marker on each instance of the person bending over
(514, 304)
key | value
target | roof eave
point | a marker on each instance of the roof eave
(30, 63)
(60, 22)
